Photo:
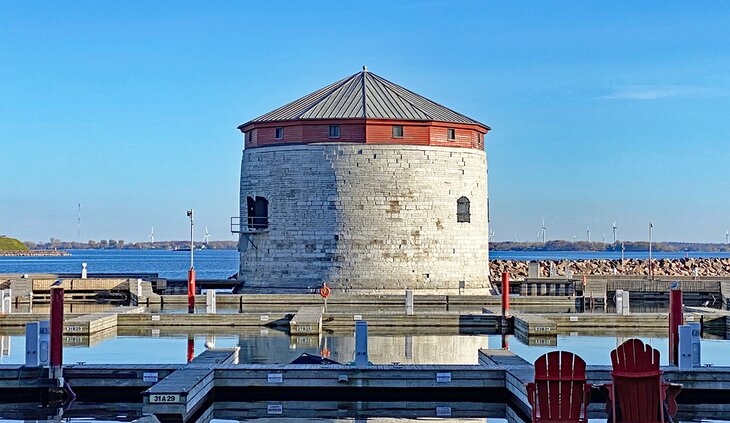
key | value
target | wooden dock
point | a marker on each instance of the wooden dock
(97, 322)
(213, 385)
(307, 321)
(182, 393)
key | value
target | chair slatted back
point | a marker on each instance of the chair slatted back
(637, 381)
(560, 386)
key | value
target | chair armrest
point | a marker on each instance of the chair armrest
(671, 390)
(530, 391)
(608, 387)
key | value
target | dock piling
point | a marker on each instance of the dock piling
(191, 290)
(505, 295)
(409, 302)
(56, 331)
(675, 320)
(210, 302)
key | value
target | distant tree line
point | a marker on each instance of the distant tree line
(560, 245)
(119, 244)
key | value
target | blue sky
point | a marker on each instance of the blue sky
(600, 111)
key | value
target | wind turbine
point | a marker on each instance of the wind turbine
(727, 237)
(543, 231)
(588, 234)
(151, 236)
(575, 238)
(206, 237)
(614, 231)
(491, 235)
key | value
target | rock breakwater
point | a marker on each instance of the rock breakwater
(630, 267)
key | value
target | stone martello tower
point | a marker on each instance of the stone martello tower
(366, 186)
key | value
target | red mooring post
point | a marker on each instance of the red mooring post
(191, 290)
(676, 319)
(56, 328)
(505, 294)
(191, 348)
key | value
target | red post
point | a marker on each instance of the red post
(505, 294)
(191, 348)
(191, 290)
(505, 342)
(676, 319)
(56, 327)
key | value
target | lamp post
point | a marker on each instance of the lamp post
(651, 267)
(191, 272)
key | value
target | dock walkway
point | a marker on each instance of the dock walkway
(307, 321)
(183, 392)
(90, 324)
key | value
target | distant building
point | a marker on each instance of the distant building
(366, 186)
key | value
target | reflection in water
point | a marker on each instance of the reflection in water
(407, 346)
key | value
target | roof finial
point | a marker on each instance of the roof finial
(364, 68)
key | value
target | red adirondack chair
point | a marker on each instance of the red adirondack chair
(560, 392)
(637, 388)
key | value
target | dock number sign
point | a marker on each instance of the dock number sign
(443, 377)
(164, 398)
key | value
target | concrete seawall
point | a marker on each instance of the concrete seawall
(635, 267)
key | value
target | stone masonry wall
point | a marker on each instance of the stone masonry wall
(370, 218)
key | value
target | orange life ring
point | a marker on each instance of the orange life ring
(324, 291)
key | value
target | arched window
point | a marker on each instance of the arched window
(258, 213)
(462, 210)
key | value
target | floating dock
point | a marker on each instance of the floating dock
(183, 393)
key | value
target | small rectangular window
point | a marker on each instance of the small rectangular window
(452, 133)
(334, 131)
(279, 133)
(397, 131)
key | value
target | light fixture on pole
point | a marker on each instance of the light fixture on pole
(651, 266)
(191, 272)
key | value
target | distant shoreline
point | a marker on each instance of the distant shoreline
(33, 253)
(627, 246)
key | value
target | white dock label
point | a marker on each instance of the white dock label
(165, 398)
(573, 318)
(274, 409)
(443, 377)
(150, 377)
(443, 411)
(357, 317)
(264, 318)
(155, 318)
(275, 378)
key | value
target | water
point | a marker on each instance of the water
(221, 264)
(209, 264)
(273, 346)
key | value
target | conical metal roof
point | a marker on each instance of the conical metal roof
(364, 95)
